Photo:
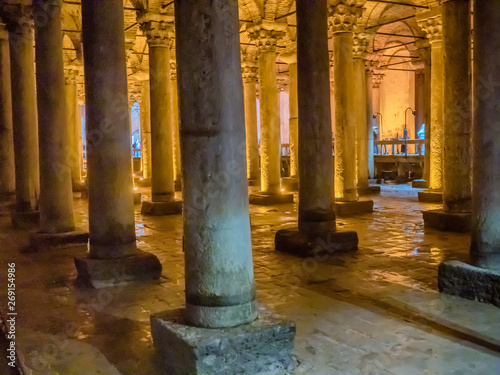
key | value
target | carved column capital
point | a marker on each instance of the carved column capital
(359, 46)
(432, 24)
(173, 70)
(158, 29)
(377, 80)
(266, 35)
(18, 18)
(343, 15)
(249, 67)
(70, 76)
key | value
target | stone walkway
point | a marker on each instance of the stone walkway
(373, 312)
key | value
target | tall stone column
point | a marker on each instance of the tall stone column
(342, 21)
(431, 23)
(145, 130)
(457, 163)
(220, 291)
(74, 126)
(113, 256)
(370, 121)
(7, 182)
(175, 125)
(250, 74)
(18, 19)
(158, 30)
(316, 186)
(480, 280)
(266, 36)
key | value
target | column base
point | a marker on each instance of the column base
(177, 185)
(6, 197)
(262, 199)
(78, 187)
(343, 209)
(369, 190)
(161, 208)
(104, 273)
(145, 182)
(448, 221)
(253, 182)
(44, 241)
(420, 184)
(290, 183)
(25, 220)
(470, 282)
(306, 245)
(262, 346)
(430, 196)
(137, 198)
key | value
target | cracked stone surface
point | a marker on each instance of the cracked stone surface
(376, 311)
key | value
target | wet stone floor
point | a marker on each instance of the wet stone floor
(376, 311)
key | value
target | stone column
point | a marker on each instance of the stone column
(370, 121)
(7, 182)
(480, 280)
(146, 131)
(113, 255)
(266, 36)
(74, 127)
(342, 21)
(457, 163)
(175, 125)
(249, 72)
(431, 23)
(158, 30)
(316, 186)
(220, 291)
(19, 23)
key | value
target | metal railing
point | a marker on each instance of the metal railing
(397, 147)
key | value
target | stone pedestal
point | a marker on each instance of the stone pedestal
(43, 241)
(318, 244)
(262, 199)
(263, 346)
(420, 184)
(144, 182)
(343, 209)
(25, 219)
(137, 198)
(290, 183)
(369, 190)
(161, 208)
(467, 281)
(428, 196)
(254, 182)
(178, 185)
(447, 221)
(103, 273)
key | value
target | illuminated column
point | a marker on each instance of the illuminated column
(158, 30)
(316, 186)
(250, 74)
(369, 121)
(113, 256)
(265, 36)
(74, 126)
(359, 106)
(145, 130)
(431, 23)
(175, 125)
(24, 116)
(7, 182)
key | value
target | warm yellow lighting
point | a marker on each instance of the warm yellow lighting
(135, 188)
(282, 189)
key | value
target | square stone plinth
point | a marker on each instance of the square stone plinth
(264, 346)
(253, 182)
(369, 190)
(306, 245)
(103, 273)
(43, 241)
(447, 221)
(144, 182)
(25, 220)
(462, 279)
(420, 184)
(137, 198)
(430, 196)
(290, 183)
(161, 208)
(270, 199)
(343, 209)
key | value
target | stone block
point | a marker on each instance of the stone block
(161, 208)
(430, 196)
(290, 183)
(343, 209)
(270, 199)
(369, 190)
(25, 220)
(137, 198)
(447, 221)
(306, 245)
(144, 182)
(44, 241)
(79, 187)
(178, 185)
(467, 281)
(103, 273)
(254, 182)
(264, 346)
(420, 184)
